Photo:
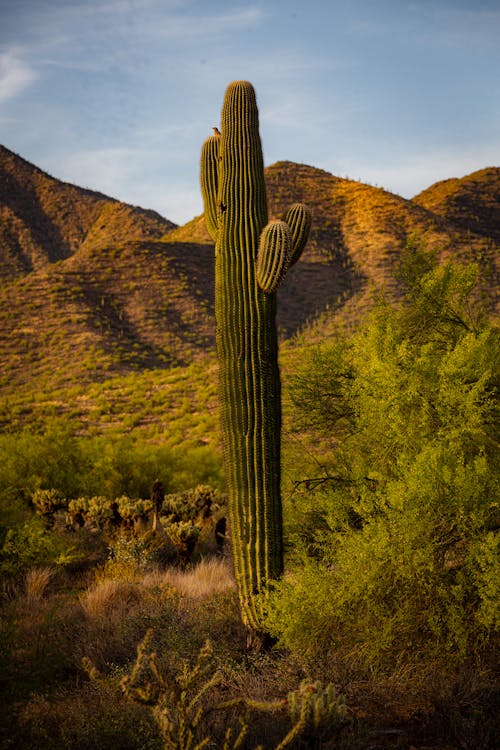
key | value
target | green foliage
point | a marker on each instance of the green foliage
(399, 530)
(128, 558)
(52, 460)
(27, 540)
(32, 544)
(57, 461)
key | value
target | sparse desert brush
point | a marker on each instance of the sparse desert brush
(132, 555)
(117, 614)
(90, 716)
(127, 559)
(114, 613)
(37, 640)
(194, 709)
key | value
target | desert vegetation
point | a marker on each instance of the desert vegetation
(121, 599)
(386, 618)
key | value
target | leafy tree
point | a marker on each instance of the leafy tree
(398, 534)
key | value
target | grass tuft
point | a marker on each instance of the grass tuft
(36, 582)
(210, 576)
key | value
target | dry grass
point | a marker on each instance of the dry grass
(210, 576)
(53, 630)
(111, 598)
(36, 582)
(116, 615)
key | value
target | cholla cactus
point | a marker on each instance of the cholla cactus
(102, 513)
(179, 703)
(184, 535)
(317, 712)
(251, 258)
(133, 509)
(48, 502)
(197, 503)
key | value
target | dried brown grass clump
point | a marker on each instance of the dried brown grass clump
(36, 582)
(111, 598)
(211, 576)
(117, 614)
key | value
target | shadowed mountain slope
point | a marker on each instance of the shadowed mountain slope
(107, 311)
(43, 220)
(472, 202)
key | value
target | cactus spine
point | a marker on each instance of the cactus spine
(251, 258)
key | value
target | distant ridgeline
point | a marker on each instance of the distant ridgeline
(94, 288)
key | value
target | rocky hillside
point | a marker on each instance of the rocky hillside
(43, 220)
(472, 203)
(357, 236)
(94, 288)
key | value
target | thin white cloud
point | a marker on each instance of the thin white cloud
(15, 74)
(121, 6)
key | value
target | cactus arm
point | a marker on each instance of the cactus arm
(298, 217)
(273, 256)
(209, 178)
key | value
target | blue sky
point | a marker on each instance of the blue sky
(118, 95)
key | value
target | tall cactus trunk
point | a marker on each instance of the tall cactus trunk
(251, 258)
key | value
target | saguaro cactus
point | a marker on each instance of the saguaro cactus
(251, 258)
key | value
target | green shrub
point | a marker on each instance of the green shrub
(397, 537)
(55, 459)
(127, 558)
(29, 544)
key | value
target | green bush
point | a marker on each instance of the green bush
(397, 539)
(55, 459)
(128, 558)
(29, 544)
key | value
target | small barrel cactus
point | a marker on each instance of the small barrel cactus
(251, 259)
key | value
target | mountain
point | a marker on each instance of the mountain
(357, 235)
(94, 289)
(472, 202)
(43, 220)
(361, 230)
